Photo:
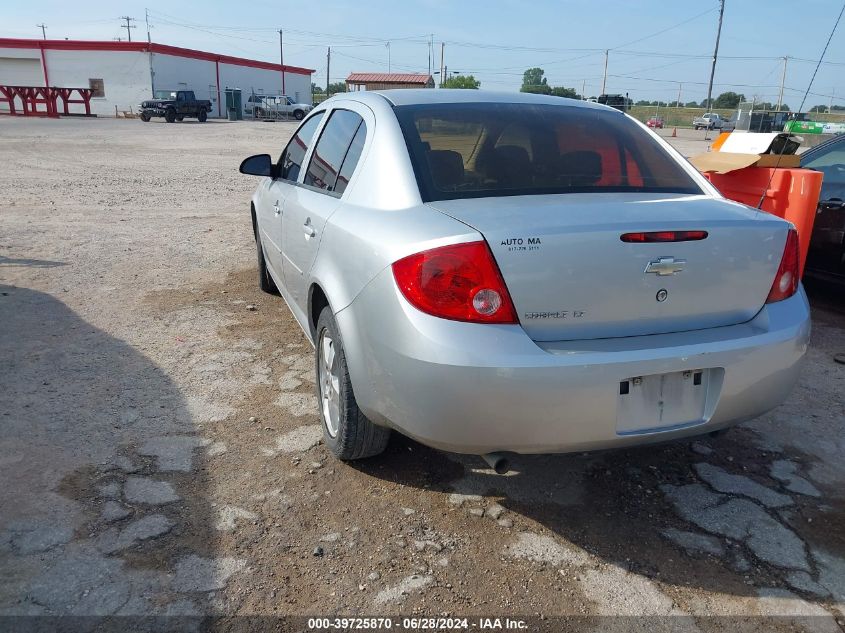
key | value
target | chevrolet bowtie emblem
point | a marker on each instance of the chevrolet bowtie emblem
(665, 266)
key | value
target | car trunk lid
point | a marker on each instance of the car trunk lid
(572, 277)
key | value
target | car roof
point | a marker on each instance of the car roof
(424, 96)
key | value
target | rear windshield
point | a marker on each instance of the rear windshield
(474, 150)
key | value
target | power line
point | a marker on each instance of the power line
(669, 28)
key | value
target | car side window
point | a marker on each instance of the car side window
(831, 163)
(331, 151)
(291, 159)
(351, 160)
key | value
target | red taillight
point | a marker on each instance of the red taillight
(664, 236)
(459, 282)
(786, 280)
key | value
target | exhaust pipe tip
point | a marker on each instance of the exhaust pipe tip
(498, 462)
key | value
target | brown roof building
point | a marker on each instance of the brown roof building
(387, 81)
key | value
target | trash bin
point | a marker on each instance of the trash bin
(792, 195)
(233, 114)
(747, 166)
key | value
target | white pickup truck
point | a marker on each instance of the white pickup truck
(709, 121)
(276, 107)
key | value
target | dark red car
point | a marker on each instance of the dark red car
(655, 122)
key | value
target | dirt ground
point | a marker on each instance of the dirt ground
(160, 450)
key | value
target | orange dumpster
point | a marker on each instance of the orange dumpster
(793, 195)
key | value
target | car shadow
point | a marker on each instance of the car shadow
(613, 504)
(825, 294)
(104, 505)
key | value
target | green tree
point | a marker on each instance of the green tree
(819, 108)
(727, 100)
(315, 88)
(462, 81)
(691, 104)
(569, 93)
(542, 89)
(338, 86)
(534, 81)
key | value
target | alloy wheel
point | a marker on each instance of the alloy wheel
(329, 382)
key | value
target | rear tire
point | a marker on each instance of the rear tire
(346, 431)
(298, 115)
(169, 115)
(265, 281)
(202, 116)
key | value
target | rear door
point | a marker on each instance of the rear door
(331, 164)
(274, 192)
(826, 255)
(183, 105)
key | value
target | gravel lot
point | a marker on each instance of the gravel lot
(160, 450)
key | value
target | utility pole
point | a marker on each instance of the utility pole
(388, 57)
(713, 66)
(583, 90)
(830, 103)
(128, 26)
(782, 81)
(430, 53)
(328, 67)
(442, 49)
(150, 55)
(43, 28)
(282, 58)
(680, 85)
(604, 80)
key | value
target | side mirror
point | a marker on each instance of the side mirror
(258, 165)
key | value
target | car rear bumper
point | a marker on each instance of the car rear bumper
(481, 388)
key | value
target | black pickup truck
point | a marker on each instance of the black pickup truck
(175, 105)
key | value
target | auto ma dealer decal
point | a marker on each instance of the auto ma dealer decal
(522, 244)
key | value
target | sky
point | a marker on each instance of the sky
(656, 48)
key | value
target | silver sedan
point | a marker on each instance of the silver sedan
(491, 273)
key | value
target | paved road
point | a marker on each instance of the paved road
(160, 454)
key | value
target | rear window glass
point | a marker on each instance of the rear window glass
(471, 150)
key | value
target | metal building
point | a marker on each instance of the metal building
(386, 81)
(122, 74)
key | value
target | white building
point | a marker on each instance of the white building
(123, 74)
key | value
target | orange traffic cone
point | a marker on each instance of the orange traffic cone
(674, 132)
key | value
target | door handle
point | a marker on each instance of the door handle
(833, 204)
(310, 231)
(276, 208)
